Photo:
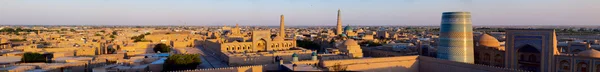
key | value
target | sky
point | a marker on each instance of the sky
(297, 12)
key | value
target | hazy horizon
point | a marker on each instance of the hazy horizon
(297, 12)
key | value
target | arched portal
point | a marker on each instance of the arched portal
(532, 61)
(582, 67)
(262, 45)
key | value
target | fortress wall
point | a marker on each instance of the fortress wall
(400, 63)
(255, 68)
(429, 64)
(264, 59)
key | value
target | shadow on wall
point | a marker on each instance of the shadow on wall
(394, 69)
(150, 48)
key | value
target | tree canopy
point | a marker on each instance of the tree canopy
(162, 48)
(139, 38)
(30, 57)
(309, 45)
(182, 62)
(16, 31)
(369, 44)
(17, 40)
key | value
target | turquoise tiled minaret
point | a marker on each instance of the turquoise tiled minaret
(456, 37)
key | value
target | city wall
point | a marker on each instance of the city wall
(429, 64)
(399, 64)
(255, 68)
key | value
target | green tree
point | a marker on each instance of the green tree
(17, 40)
(115, 33)
(162, 48)
(112, 36)
(10, 30)
(308, 45)
(19, 29)
(30, 57)
(370, 44)
(182, 62)
(138, 38)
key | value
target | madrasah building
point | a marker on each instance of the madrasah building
(257, 47)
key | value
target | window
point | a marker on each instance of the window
(522, 58)
(564, 65)
(532, 58)
(499, 60)
(582, 67)
(486, 58)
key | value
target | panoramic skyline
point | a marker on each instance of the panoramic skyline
(297, 12)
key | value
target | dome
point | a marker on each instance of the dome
(501, 48)
(278, 38)
(343, 35)
(348, 28)
(590, 53)
(294, 55)
(350, 42)
(488, 41)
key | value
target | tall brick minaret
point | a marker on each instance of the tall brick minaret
(281, 27)
(339, 23)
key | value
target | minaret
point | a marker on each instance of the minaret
(281, 27)
(456, 37)
(339, 23)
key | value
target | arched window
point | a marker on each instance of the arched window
(565, 66)
(532, 58)
(582, 67)
(522, 57)
(486, 58)
(284, 45)
(499, 60)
